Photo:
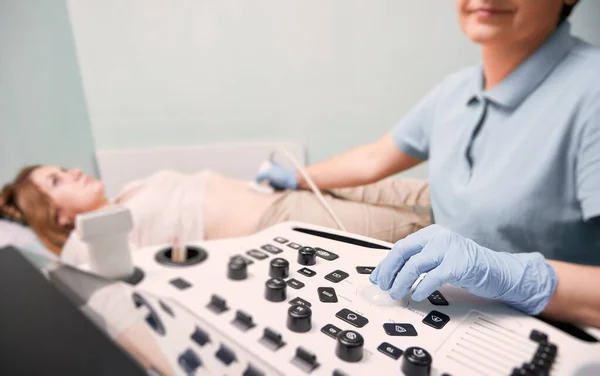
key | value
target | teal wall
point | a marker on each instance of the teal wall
(43, 114)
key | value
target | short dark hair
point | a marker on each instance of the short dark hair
(566, 12)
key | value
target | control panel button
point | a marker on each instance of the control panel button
(307, 256)
(180, 283)
(226, 355)
(189, 361)
(294, 245)
(436, 319)
(295, 284)
(397, 329)
(275, 290)
(253, 371)
(305, 360)
(349, 346)
(166, 308)
(538, 336)
(217, 304)
(390, 350)
(416, 362)
(200, 337)
(299, 319)
(327, 294)
(326, 255)
(243, 258)
(331, 330)
(365, 269)
(300, 301)
(437, 299)
(280, 240)
(307, 272)
(237, 269)
(337, 276)
(339, 372)
(352, 318)
(243, 321)
(255, 253)
(279, 268)
(272, 339)
(271, 249)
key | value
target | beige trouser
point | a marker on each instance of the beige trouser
(387, 210)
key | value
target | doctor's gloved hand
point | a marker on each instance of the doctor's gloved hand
(279, 177)
(523, 280)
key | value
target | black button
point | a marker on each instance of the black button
(349, 347)
(189, 361)
(395, 329)
(271, 249)
(437, 298)
(279, 268)
(237, 269)
(294, 245)
(200, 337)
(272, 339)
(253, 371)
(305, 360)
(166, 308)
(436, 319)
(538, 336)
(365, 269)
(280, 240)
(307, 272)
(300, 301)
(244, 259)
(275, 290)
(390, 350)
(416, 361)
(217, 304)
(336, 276)
(324, 254)
(331, 330)
(294, 283)
(243, 321)
(180, 283)
(299, 319)
(327, 295)
(226, 355)
(352, 318)
(255, 253)
(549, 348)
(307, 256)
(339, 372)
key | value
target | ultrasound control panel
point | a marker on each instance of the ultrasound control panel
(295, 299)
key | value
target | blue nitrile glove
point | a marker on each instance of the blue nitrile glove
(279, 177)
(523, 280)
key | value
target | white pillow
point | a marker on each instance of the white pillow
(22, 237)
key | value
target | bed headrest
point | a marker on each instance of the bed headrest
(20, 236)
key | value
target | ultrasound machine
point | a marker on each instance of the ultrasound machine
(295, 299)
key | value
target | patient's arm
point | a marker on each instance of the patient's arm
(359, 166)
(577, 296)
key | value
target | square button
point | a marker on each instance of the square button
(436, 319)
(180, 283)
(390, 350)
(396, 329)
(331, 330)
(307, 272)
(294, 245)
(295, 284)
(280, 240)
(436, 298)
(325, 254)
(255, 253)
(336, 276)
(271, 249)
(352, 318)
(300, 301)
(365, 269)
(327, 295)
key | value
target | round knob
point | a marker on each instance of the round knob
(416, 362)
(299, 318)
(275, 290)
(237, 269)
(349, 346)
(307, 256)
(280, 268)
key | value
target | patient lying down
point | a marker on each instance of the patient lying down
(170, 205)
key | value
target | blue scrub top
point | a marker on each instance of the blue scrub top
(517, 168)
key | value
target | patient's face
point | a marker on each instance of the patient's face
(506, 22)
(72, 191)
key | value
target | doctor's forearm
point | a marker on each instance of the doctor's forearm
(577, 295)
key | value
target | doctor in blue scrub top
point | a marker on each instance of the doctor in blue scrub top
(513, 146)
